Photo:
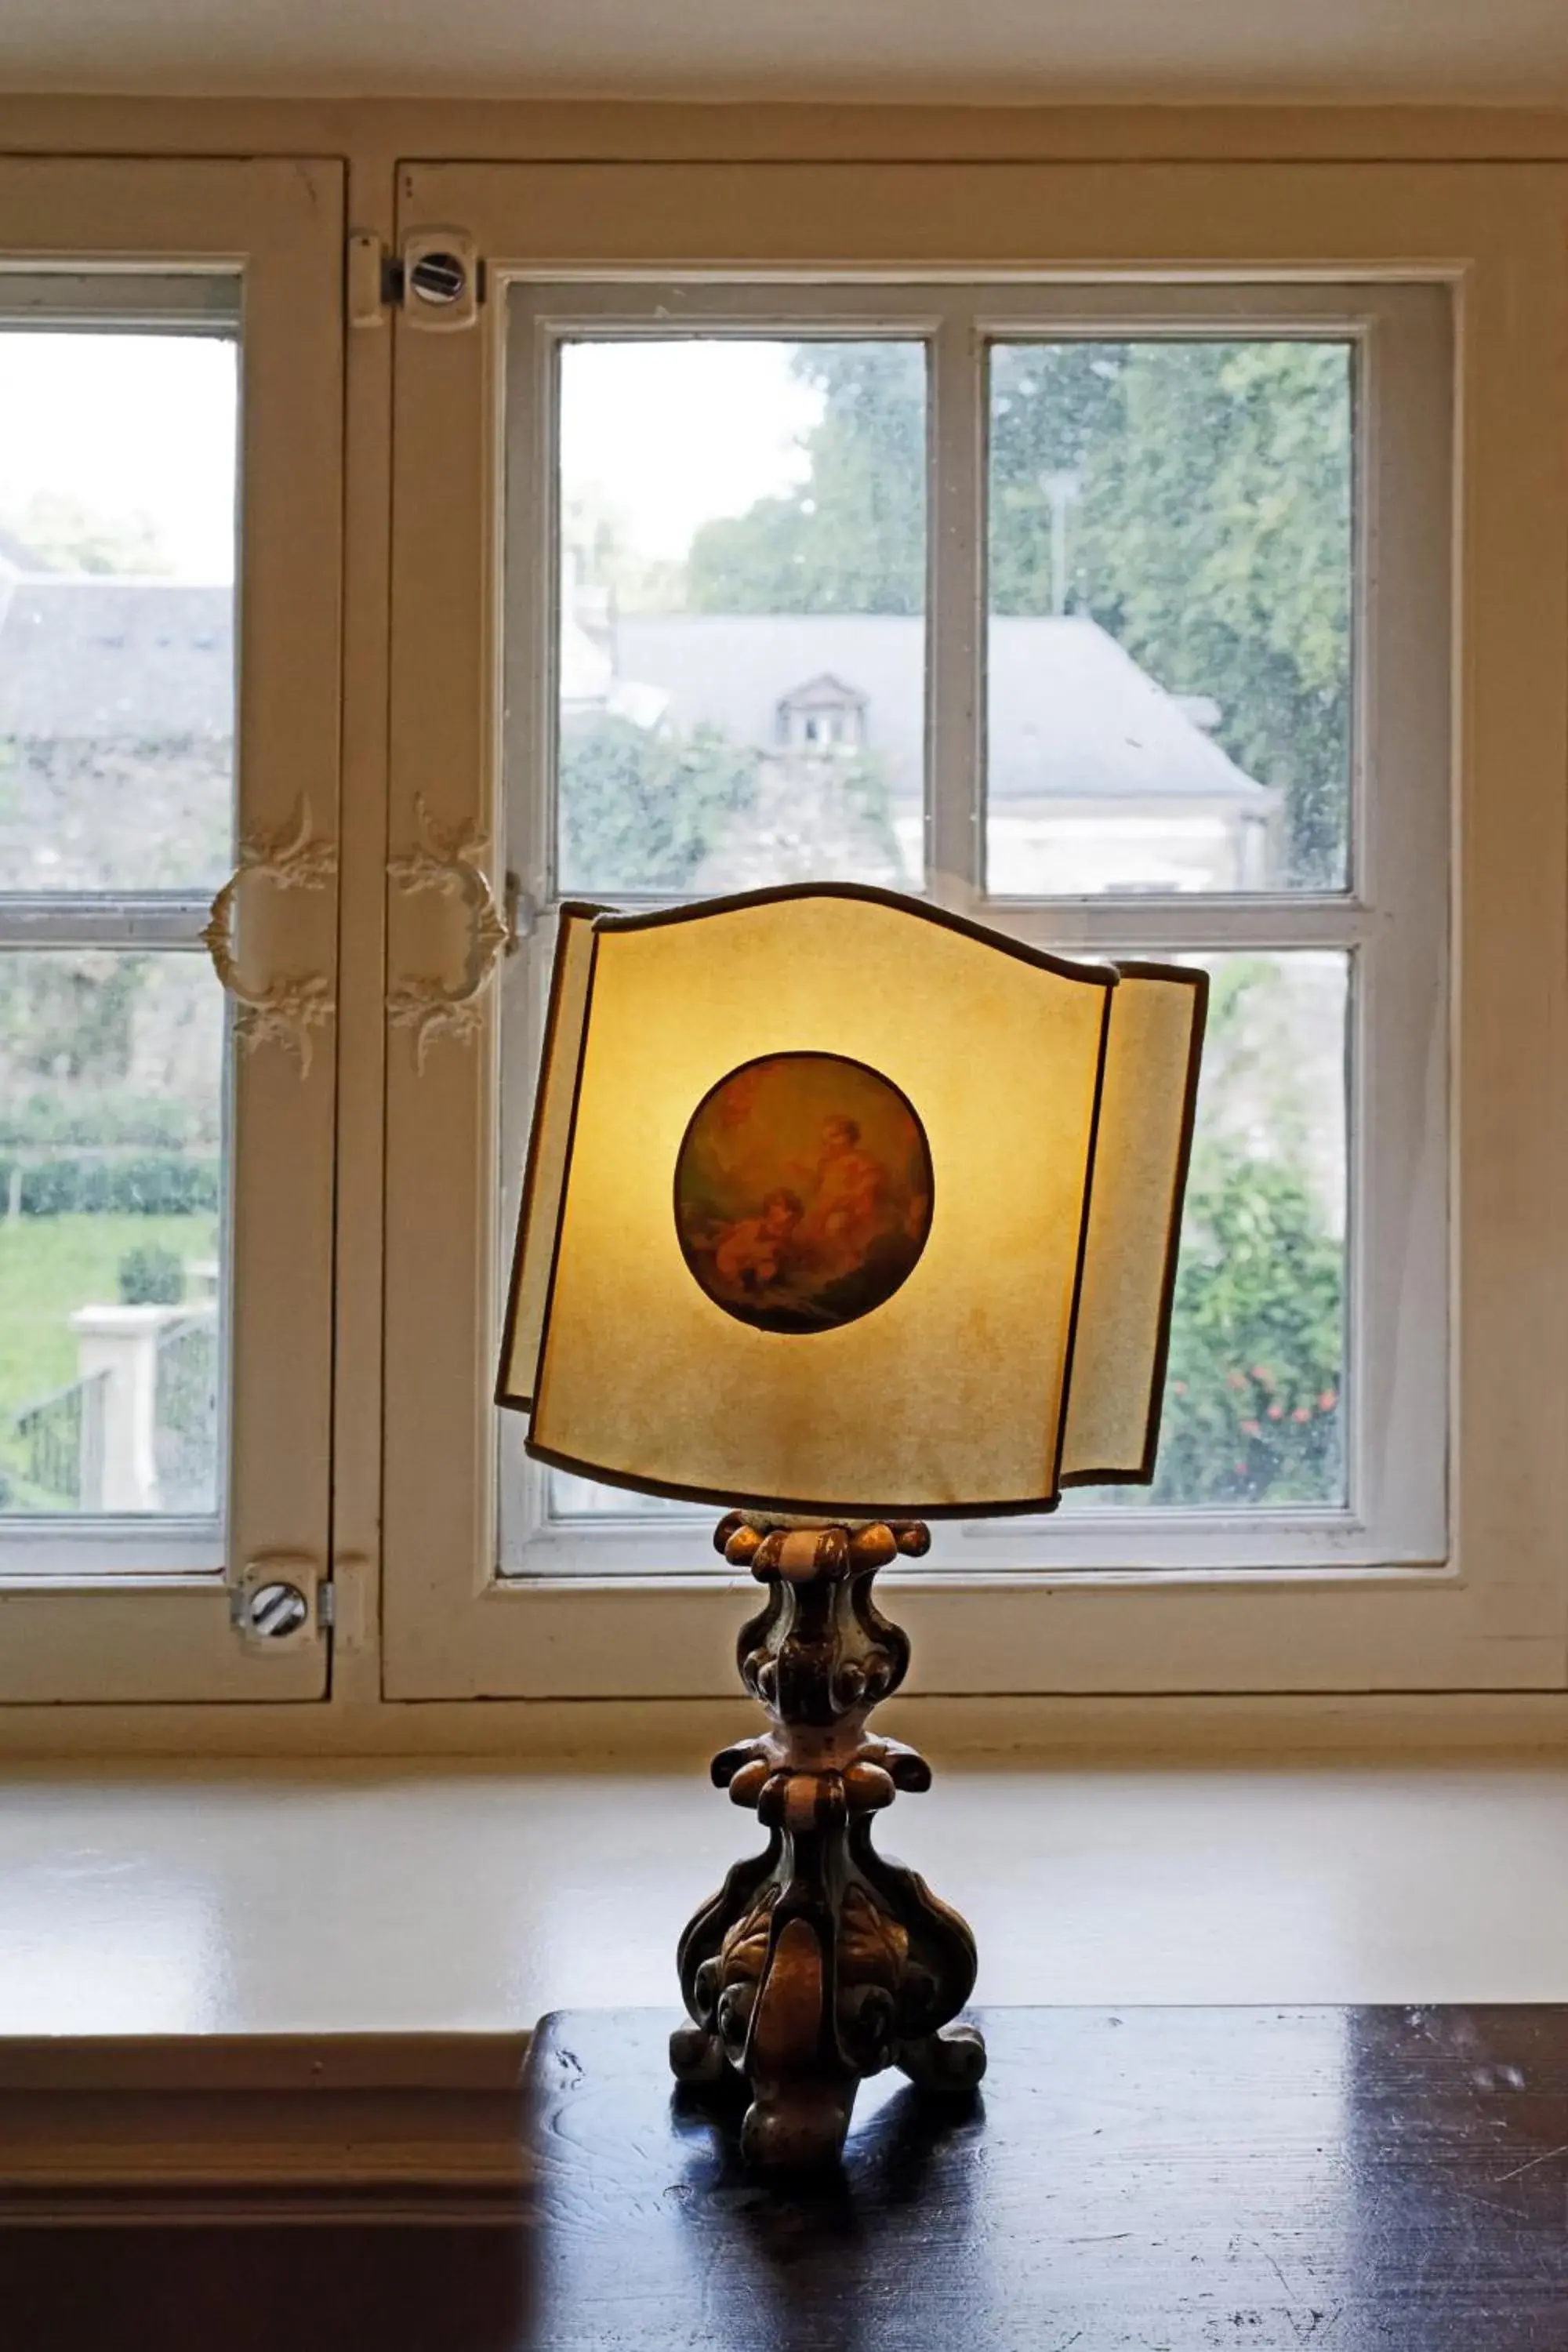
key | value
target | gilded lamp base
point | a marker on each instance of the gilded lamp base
(819, 1962)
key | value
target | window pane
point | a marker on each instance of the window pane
(742, 652)
(117, 547)
(1171, 583)
(111, 1232)
(1255, 1410)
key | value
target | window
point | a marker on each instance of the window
(1076, 546)
(1179, 752)
(116, 830)
(1143, 559)
(166, 1058)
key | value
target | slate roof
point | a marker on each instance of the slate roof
(137, 659)
(1071, 714)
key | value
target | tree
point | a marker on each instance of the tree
(1252, 1395)
(1211, 528)
(1214, 544)
(67, 1018)
(852, 537)
(640, 809)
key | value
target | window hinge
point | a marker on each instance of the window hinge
(340, 1602)
(438, 280)
(521, 913)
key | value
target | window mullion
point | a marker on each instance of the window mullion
(1183, 925)
(956, 603)
(88, 919)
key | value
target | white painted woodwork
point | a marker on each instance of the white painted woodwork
(121, 1611)
(1383, 1597)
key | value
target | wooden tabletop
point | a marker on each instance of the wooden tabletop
(1130, 2180)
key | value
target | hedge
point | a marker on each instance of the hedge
(152, 1185)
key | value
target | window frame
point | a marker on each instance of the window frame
(1487, 1610)
(139, 1610)
(1390, 920)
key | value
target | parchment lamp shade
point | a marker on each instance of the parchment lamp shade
(838, 1205)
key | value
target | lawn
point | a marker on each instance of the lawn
(51, 1265)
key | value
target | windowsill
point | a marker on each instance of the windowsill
(260, 1900)
(234, 1974)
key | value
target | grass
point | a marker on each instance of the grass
(51, 1265)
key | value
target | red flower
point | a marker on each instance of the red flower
(1302, 1412)
(1251, 1429)
(1328, 1400)
(1276, 1412)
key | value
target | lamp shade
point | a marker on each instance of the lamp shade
(837, 1203)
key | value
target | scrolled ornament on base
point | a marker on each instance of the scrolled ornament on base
(821, 1962)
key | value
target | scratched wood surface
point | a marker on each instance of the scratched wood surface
(1136, 2180)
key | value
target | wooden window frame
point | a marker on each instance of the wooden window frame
(140, 1611)
(1487, 1612)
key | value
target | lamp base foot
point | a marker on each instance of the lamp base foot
(820, 1962)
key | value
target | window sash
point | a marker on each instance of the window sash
(1391, 919)
(1494, 1614)
(136, 1611)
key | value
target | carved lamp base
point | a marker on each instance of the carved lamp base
(820, 1962)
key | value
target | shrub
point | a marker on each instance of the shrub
(149, 1184)
(151, 1275)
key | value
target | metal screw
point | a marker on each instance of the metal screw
(438, 278)
(277, 1610)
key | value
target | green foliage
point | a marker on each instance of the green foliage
(68, 1017)
(639, 809)
(51, 1265)
(106, 1116)
(852, 537)
(1214, 544)
(1252, 1398)
(151, 1275)
(143, 1184)
(1210, 529)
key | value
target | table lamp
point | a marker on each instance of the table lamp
(846, 1214)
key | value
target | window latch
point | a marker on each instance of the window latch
(438, 280)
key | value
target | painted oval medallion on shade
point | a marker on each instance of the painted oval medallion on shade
(803, 1191)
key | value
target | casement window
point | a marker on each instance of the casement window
(1157, 561)
(170, 483)
(1151, 561)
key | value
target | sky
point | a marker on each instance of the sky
(663, 435)
(128, 426)
(657, 435)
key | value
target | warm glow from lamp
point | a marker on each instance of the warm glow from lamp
(839, 1205)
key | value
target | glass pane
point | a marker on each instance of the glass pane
(111, 1232)
(742, 655)
(1254, 1412)
(117, 549)
(1171, 587)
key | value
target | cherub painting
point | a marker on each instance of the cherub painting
(803, 1191)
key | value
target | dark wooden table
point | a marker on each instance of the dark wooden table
(1131, 2180)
